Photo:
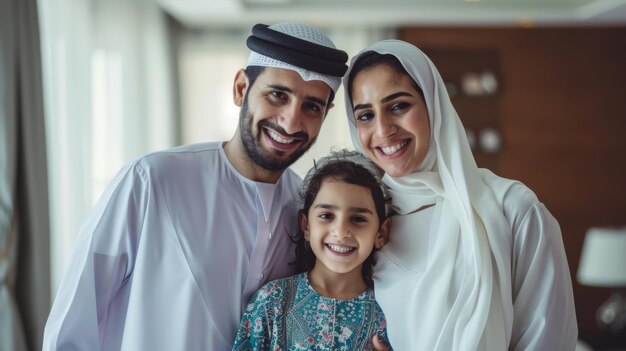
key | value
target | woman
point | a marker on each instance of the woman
(475, 261)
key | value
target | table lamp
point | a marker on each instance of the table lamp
(603, 264)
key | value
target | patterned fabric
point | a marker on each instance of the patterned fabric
(288, 314)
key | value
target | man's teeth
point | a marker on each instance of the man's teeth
(340, 248)
(388, 150)
(279, 138)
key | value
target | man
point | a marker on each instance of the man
(182, 238)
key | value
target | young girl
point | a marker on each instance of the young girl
(330, 306)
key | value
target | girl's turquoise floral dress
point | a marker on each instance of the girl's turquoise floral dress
(288, 314)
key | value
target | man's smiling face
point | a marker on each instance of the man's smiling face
(281, 116)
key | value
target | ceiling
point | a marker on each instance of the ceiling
(392, 13)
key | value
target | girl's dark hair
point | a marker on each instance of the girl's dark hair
(370, 59)
(351, 173)
(253, 72)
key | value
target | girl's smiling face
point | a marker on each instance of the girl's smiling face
(391, 119)
(342, 227)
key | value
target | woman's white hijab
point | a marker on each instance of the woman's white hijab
(449, 177)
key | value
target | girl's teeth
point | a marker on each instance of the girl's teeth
(340, 248)
(279, 138)
(388, 150)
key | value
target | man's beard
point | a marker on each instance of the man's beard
(252, 143)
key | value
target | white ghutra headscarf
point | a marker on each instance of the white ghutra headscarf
(468, 220)
(298, 47)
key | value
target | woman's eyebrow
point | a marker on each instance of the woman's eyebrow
(385, 99)
(394, 96)
(361, 106)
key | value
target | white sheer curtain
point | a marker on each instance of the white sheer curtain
(24, 229)
(108, 98)
(208, 61)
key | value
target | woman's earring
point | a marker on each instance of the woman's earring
(307, 246)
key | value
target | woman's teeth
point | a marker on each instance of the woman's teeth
(388, 150)
(279, 139)
(340, 248)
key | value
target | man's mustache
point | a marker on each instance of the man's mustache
(298, 135)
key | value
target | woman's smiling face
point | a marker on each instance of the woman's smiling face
(391, 119)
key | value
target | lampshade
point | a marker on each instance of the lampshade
(603, 260)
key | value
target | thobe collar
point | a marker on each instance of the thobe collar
(266, 193)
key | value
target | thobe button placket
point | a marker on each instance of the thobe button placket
(261, 276)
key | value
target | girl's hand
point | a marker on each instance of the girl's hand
(378, 346)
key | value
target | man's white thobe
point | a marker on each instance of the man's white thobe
(171, 254)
